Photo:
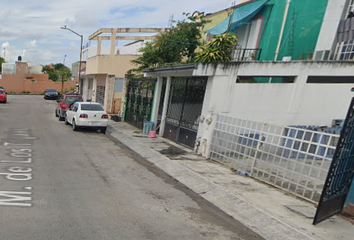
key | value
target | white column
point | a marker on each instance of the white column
(165, 105)
(156, 100)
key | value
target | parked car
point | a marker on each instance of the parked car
(64, 102)
(3, 96)
(51, 93)
(87, 115)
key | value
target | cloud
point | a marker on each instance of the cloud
(33, 43)
(33, 27)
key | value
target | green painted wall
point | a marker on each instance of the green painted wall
(301, 30)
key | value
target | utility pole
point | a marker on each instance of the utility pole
(81, 36)
(62, 76)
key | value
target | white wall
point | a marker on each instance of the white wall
(330, 23)
(298, 103)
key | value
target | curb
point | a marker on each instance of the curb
(253, 217)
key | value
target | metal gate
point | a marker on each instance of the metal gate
(140, 94)
(185, 107)
(340, 175)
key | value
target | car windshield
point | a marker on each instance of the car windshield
(2, 91)
(51, 90)
(71, 99)
(91, 107)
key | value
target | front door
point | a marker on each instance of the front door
(184, 110)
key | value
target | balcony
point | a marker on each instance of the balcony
(247, 54)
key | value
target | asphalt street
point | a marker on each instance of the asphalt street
(59, 184)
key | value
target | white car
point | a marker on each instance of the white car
(87, 115)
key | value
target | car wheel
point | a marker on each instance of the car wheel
(103, 130)
(74, 126)
(66, 121)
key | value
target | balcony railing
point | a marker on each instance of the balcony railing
(247, 54)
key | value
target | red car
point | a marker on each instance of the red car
(3, 96)
(64, 102)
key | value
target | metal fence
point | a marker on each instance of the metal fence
(294, 159)
(247, 54)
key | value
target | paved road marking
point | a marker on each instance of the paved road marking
(20, 153)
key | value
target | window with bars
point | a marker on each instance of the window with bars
(345, 50)
(350, 6)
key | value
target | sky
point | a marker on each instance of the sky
(32, 28)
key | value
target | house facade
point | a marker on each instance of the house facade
(22, 78)
(278, 119)
(106, 66)
(287, 29)
(282, 79)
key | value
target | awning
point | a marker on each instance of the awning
(240, 16)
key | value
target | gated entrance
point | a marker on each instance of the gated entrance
(140, 94)
(340, 175)
(184, 110)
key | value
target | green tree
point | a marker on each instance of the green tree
(57, 72)
(181, 41)
(220, 49)
(176, 46)
(52, 72)
(2, 60)
(150, 58)
(64, 73)
(58, 66)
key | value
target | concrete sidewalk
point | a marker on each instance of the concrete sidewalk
(271, 213)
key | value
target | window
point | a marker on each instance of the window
(265, 79)
(118, 85)
(91, 107)
(74, 107)
(51, 90)
(330, 79)
(70, 99)
(345, 50)
(350, 7)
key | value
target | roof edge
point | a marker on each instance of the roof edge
(170, 68)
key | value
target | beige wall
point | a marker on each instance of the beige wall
(38, 77)
(33, 83)
(39, 87)
(117, 65)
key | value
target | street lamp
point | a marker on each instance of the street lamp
(66, 28)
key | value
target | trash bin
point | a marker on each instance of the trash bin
(148, 126)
